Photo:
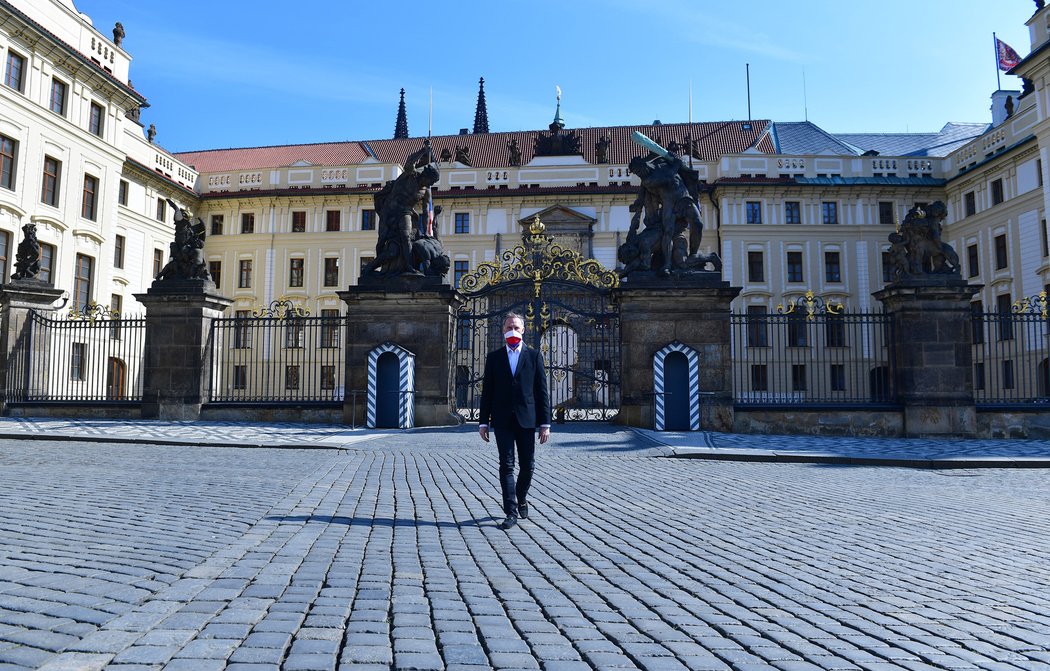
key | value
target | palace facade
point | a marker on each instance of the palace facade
(789, 206)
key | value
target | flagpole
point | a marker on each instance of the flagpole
(995, 45)
(689, 142)
(430, 120)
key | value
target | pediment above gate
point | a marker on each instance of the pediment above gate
(568, 227)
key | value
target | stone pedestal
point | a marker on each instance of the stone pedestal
(417, 315)
(17, 299)
(178, 320)
(692, 309)
(933, 354)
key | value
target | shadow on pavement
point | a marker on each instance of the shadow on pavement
(381, 521)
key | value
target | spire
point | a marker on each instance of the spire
(558, 122)
(481, 114)
(401, 127)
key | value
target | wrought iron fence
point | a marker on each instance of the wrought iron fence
(278, 355)
(812, 353)
(89, 356)
(1010, 351)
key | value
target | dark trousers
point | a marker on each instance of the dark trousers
(525, 439)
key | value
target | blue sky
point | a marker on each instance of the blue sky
(233, 73)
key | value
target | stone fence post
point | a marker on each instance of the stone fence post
(17, 299)
(178, 321)
(932, 352)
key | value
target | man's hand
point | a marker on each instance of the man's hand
(484, 431)
(545, 434)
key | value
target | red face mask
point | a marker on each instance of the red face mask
(512, 338)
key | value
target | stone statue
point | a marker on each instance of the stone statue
(601, 150)
(151, 133)
(515, 152)
(463, 155)
(135, 114)
(667, 204)
(27, 257)
(1009, 105)
(118, 34)
(187, 260)
(1026, 87)
(917, 249)
(446, 155)
(408, 242)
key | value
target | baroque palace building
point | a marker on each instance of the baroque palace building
(789, 206)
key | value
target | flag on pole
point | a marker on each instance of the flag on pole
(430, 215)
(1008, 58)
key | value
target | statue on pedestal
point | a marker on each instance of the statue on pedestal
(408, 242)
(916, 248)
(187, 260)
(27, 257)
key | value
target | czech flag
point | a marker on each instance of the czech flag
(1008, 58)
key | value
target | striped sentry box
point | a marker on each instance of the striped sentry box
(693, 357)
(406, 383)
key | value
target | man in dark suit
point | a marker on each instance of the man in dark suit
(514, 396)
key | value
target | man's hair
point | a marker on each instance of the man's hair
(514, 315)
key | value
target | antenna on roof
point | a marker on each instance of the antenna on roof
(747, 70)
(805, 99)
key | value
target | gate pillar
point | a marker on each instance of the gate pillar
(692, 310)
(416, 316)
(178, 321)
(17, 299)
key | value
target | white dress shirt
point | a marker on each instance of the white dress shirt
(513, 354)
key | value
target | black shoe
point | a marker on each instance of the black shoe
(508, 523)
(523, 511)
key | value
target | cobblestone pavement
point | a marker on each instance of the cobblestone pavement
(387, 555)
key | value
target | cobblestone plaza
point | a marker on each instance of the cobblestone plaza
(384, 553)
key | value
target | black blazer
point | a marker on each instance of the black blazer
(524, 396)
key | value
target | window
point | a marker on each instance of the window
(834, 331)
(119, 244)
(888, 271)
(1039, 170)
(977, 320)
(332, 220)
(1008, 374)
(838, 377)
(76, 361)
(122, 193)
(331, 272)
(973, 263)
(8, 160)
(1001, 257)
(89, 203)
(14, 75)
(116, 304)
(461, 269)
(158, 262)
(759, 377)
(248, 222)
(462, 222)
(978, 377)
(365, 260)
(792, 212)
(368, 220)
(327, 378)
(50, 188)
(1003, 306)
(794, 266)
(242, 329)
(753, 210)
(291, 377)
(57, 103)
(84, 271)
(757, 328)
(240, 377)
(216, 224)
(298, 222)
(95, 120)
(798, 335)
(832, 267)
(162, 209)
(294, 332)
(47, 260)
(798, 377)
(5, 245)
(330, 322)
(295, 272)
(244, 277)
(215, 270)
(829, 212)
(1043, 238)
(756, 271)
(970, 203)
(886, 212)
(997, 191)
(463, 334)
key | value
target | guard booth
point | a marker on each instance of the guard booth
(391, 387)
(676, 381)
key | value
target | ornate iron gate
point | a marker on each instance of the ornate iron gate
(565, 301)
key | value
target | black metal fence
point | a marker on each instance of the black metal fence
(94, 356)
(1010, 365)
(277, 360)
(803, 358)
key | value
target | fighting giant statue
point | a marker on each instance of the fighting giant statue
(916, 248)
(187, 260)
(667, 225)
(408, 241)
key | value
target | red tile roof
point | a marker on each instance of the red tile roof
(714, 138)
